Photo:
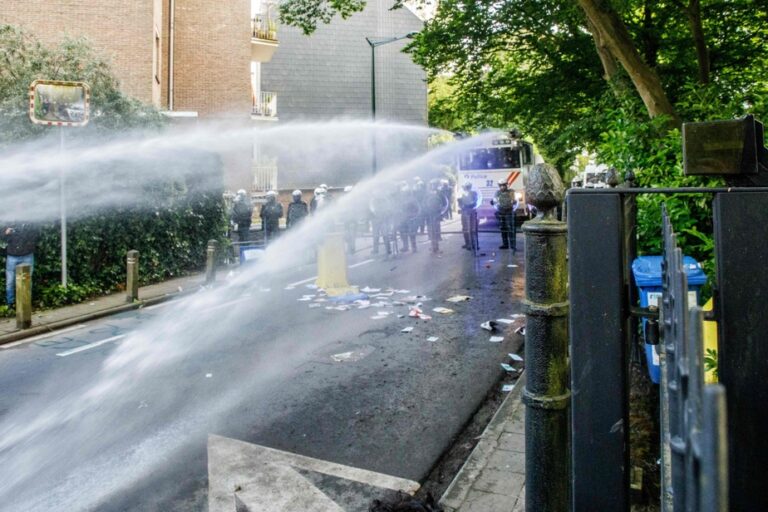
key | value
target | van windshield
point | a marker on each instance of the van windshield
(490, 158)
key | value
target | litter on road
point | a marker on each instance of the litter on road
(458, 298)
(515, 357)
(490, 325)
(511, 266)
(496, 339)
(508, 368)
(344, 356)
(518, 315)
(520, 330)
(506, 388)
(407, 329)
(433, 338)
(443, 311)
(505, 321)
(370, 290)
(208, 375)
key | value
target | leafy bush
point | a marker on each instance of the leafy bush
(171, 216)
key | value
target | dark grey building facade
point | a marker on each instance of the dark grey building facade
(327, 76)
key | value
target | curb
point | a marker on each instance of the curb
(60, 324)
(456, 493)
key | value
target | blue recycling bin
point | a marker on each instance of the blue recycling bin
(250, 253)
(647, 272)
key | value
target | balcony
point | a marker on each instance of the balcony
(264, 177)
(264, 106)
(263, 36)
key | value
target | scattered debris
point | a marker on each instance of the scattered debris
(312, 286)
(305, 299)
(458, 298)
(505, 321)
(315, 305)
(443, 311)
(180, 289)
(518, 315)
(344, 356)
(368, 289)
(520, 330)
(515, 357)
(496, 339)
(208, 375)
(490, 261)
(290, 287)
(490, 325)
(511, 266)
(402, 292)
(404, 502)
(433, 338)
(407, 329)
(506, 388)
(400, 316)
(265, 289)
(508, 368)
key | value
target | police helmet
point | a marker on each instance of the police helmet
(296, 193)
(503, 182)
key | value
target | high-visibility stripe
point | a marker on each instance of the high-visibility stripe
(512, 177)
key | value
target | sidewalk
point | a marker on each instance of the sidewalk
(493, 477)
(47, 320)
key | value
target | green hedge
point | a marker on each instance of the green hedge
(171, 221)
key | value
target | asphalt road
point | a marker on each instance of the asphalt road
(114, 415)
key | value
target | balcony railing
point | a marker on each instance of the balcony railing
(265, 104)
(264, 177)
(264, 26)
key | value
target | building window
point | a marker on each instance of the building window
(156, 57)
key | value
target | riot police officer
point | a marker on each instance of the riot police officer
(242, 213)
(270, 214)
(435, 206)
(297, 210)
(505, 204)
(468, 203)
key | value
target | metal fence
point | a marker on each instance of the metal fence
(694, 459)
(706, 466)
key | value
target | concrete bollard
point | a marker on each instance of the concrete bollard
(210, 262)
(546, 393)
(332, 266)
(132, 279)
(23, 296)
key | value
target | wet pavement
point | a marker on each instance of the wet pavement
(261, 369)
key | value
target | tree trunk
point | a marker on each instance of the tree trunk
(693, 11)
(614, 34)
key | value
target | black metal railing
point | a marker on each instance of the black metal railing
(695, 475)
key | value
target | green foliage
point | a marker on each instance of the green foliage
(307, 14)
(175, 215)
(710, 361)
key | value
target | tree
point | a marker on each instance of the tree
(24, 59)
(173, 213)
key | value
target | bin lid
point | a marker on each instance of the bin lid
(647, 271)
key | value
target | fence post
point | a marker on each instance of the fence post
(132, 276)
(23, 296)
(546, 393)
(210, 262)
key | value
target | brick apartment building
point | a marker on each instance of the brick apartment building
(207, 60)
(195, 64)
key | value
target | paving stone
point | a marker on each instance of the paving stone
(503, 460)
(512, 441)
(500, 482)
(487, 502)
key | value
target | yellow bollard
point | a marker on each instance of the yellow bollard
(332, 266)
(710, 342)
(23, 296)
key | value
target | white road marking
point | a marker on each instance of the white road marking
(42, 336)
(90, 346)
(227, 304)
(270, 480)
(314, 278)
(361, 263)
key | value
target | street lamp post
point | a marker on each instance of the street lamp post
(374, 43)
